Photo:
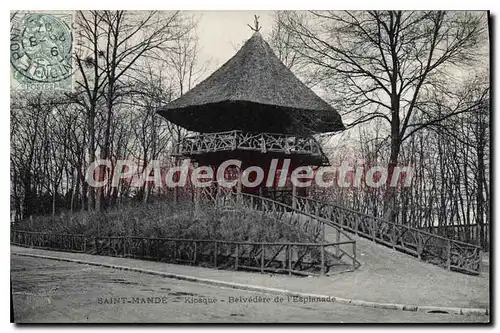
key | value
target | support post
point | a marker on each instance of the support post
(176, 194)
(238, 188)
(353, 255)
(294, 196)
(262, 258)
(337, 248)
(237, 256)
(323, 232)
(158, 250)
(322, 246)
(448, 261)
(234, 141)
(215, 254)
(374, 230)
(289, 252)
(196, 190)
(480, 261)
(341, 219)
(125, 246)
(393, 240)
(194, 252)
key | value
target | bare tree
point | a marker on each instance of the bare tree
(117, 41)
(383, 64)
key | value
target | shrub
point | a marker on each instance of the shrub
(165, 219)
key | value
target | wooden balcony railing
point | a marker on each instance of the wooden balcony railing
(247, 141)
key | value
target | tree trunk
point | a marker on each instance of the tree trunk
(91, 152)
(390, 193)
(480, 178)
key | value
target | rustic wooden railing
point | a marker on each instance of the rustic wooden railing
(447, 253)
(276, 257)
(310, 224)
(261, 142)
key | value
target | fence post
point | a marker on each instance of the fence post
(84, 244)
(96, 245)
(237, 256)
(374, 229)
(337, 248)
(448, 261)
(322, 247)
(194, 253)
(356, 224)
(294, 197)
(124, 246)
(289, 252)
(262, 257)
(341, 218)
(323, 232)
(215, 254)
(480, 254)
(393, 240)
(158, 250)
(420, 246)
(353, 255)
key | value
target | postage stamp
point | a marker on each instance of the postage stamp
(41, 47)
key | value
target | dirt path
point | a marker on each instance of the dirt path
(54, 291)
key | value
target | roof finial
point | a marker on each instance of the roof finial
(256, 23)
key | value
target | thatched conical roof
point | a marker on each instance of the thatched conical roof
(253, 91)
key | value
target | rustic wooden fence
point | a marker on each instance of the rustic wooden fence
(276, 257)
(468, 233)
(447, 253)
(310, 224)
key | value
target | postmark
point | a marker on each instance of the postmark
(41, 46)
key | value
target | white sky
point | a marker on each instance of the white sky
(221, 33)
